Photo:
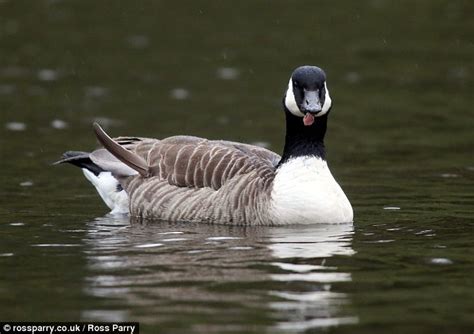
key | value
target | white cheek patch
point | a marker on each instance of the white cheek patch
(327, 102)
(290, 101)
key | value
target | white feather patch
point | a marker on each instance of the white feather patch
(106, 186)
(290, 101)
(327, 102)
(292, 106)
(305, 192)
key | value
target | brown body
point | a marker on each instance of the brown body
(194, 179)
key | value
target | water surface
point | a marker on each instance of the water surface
(399, 142)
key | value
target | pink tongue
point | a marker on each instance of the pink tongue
(308, 119)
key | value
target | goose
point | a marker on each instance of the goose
(186, 178)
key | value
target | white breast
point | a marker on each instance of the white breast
(305, 192)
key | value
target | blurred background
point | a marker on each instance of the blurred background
(400, 142)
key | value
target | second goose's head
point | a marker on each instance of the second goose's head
(307, 95)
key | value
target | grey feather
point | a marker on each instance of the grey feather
(107, 161)
(190, 178)
(121, 153)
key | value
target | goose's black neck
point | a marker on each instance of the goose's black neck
(301, 140)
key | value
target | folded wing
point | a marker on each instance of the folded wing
(186, 161)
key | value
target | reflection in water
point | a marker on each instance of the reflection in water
(318, 241)
(313, 305)
(151, 272)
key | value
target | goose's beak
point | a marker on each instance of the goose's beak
(311, 103)
(311, 106)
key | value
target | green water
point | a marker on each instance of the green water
(400, 142)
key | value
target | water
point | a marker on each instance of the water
(399, 142)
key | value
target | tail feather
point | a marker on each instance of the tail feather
(106, 173)
(129, 158)
(106, 184)
(81, 160)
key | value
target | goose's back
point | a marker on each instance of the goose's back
(195, 179)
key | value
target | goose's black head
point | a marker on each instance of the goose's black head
(307, 95)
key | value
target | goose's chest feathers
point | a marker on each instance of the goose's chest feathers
(305, 192)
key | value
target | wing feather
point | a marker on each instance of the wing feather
(193, 162)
